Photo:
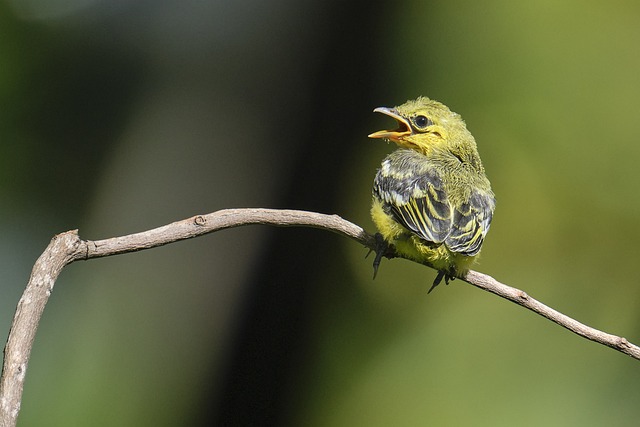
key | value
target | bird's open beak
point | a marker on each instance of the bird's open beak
(403, 129)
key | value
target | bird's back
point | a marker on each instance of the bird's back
(429, 219)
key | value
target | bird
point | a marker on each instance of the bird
(432, 201)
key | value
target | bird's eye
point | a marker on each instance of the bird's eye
(422, 122)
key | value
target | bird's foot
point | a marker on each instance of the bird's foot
(381, 249)
(442, 274)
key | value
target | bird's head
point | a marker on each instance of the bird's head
(425, 125)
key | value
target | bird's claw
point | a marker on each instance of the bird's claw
(442, 274)
(380, 249)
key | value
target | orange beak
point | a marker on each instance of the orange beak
(403, 129)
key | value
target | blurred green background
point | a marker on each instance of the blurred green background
(121, 116)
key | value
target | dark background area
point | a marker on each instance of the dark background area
(122, 116)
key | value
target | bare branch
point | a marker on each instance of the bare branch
(67, 247)
(60, 252)
(490, 284)
(223, 219)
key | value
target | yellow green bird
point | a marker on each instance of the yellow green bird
(431, 197)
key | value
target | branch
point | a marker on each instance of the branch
(67, 247)
(490, 284)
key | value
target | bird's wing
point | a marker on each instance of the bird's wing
(471, 222)
(417, 202)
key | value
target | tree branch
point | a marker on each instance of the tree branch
(67, 247)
